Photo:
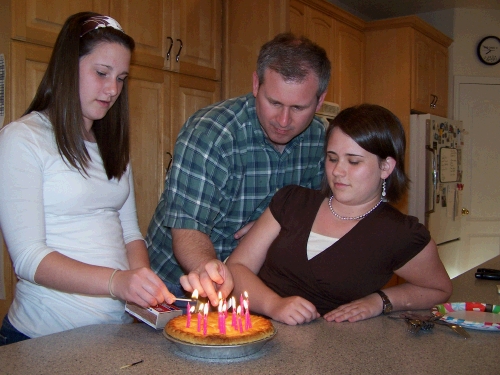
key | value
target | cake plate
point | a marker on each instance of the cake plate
(219, 351)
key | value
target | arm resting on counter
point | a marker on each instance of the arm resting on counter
(427, 284)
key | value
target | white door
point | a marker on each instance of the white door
(477, 104)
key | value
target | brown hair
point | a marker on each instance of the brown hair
(58, 95)
(378, 131)
(294, 58)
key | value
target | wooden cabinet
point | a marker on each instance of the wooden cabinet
(159, 28)
(348, 66)
(320, 28)
(429, 76)
(340, 33)
(39, 21)
(181, 36)
(245, 31)
(149, 98)
(160, 103)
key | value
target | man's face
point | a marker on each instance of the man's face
(285, 109)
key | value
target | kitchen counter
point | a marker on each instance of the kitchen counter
(375, 346)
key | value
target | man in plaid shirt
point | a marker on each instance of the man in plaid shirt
(230, 159)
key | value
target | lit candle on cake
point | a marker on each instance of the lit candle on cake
(188, 321)
(233, 315)
(247, 315)
(245, 294)
(238, 311)
(220, 317)
(219, 309)
(247, 307)
(199, 316)
(205, 318)
(224, 315)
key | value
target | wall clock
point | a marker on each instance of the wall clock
(488, 50)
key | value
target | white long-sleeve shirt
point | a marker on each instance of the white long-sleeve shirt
(47, 206)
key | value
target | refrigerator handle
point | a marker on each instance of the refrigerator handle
(434, 179)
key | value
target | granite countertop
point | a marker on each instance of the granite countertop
(375, 346)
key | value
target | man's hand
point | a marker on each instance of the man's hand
(209, 279)
(243, 230)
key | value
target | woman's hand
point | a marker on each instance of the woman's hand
(363, 308)
(293, 310)
(209, 279)
(141, 286)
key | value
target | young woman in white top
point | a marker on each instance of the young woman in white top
(67, 208)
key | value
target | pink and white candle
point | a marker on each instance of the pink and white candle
(240, 325)
(234, 323)
(205, 318)
(200, 318)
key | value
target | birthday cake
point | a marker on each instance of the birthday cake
(213, 333)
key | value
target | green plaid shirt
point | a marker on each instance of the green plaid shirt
(224, 174)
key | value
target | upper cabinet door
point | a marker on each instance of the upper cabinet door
(180, 36)
(144, 21)
(422, 71)
(197, 38)
(320, 28)
(439, 83)
(430, 76)
(39, 21)
(349, 66)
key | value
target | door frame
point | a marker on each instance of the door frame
(466, 249)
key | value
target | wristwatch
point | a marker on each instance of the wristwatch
(387, 307)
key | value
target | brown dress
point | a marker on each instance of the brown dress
(359, 263)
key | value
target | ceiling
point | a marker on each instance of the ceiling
(379, 9)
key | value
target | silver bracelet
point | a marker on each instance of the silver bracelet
(110, 281)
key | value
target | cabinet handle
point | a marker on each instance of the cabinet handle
(170, 48)
(179, 52)
(434, 101)
(169, 163)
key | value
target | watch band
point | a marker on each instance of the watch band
(387, 305)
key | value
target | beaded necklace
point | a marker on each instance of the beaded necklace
(351, 218)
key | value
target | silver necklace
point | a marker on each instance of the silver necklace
(351, 218)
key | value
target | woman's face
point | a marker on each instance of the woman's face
(354, 174)
(102, 73)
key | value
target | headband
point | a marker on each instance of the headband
(95, 22)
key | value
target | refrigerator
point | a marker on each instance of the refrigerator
(435, 171)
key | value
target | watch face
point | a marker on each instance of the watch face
(488, 50)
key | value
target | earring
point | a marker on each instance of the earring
(383, 189)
